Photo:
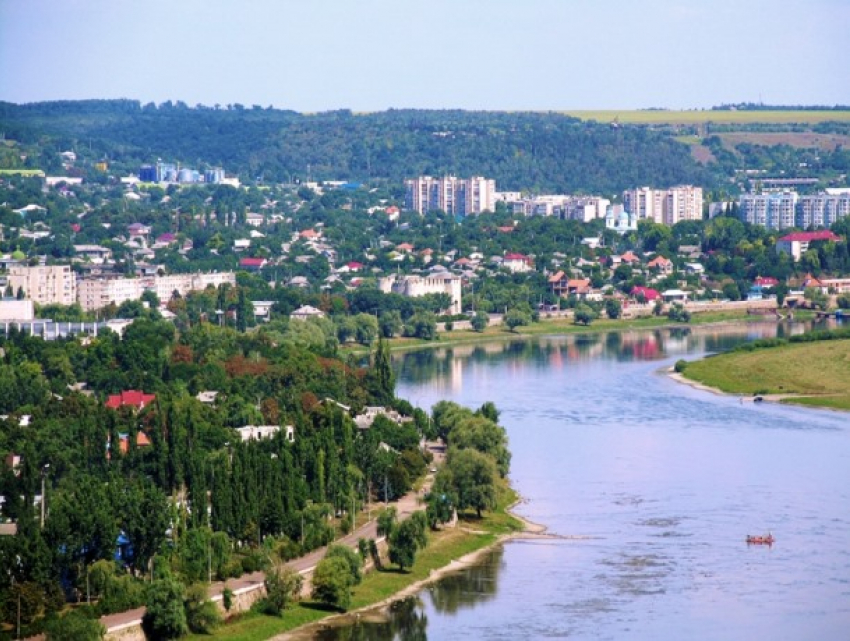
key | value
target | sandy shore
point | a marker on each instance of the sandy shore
(377, 611)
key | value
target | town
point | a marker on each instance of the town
(197, 399)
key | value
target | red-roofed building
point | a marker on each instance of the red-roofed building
(662, 264)
(797, 243)
(517, 263)
(765, 281)
(404, 247)
(310, 234)
(392, 212)
(252, 264)
(646, 293)
(142, 440)
(354, 266)
(130, 398)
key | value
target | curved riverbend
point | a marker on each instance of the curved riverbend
(659, 482)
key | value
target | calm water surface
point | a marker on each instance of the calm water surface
(664, 481)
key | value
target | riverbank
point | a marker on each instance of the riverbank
(557, 327)
(813, 374)
(377, 612)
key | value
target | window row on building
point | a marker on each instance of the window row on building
(455, 196)
(788, 209)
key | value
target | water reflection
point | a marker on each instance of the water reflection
(407, 620)
(449, 364)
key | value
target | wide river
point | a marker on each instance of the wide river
(656, 484)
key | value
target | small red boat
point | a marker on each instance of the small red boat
(760, 540)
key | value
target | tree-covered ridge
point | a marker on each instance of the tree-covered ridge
(542, 152)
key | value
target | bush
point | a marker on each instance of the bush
(332, 581)
(74, 626)
(350, 557)
(227, 598)
(283, 586)
(201, 614)
(680, 366)
(166, 616)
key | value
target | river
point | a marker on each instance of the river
(660, 482)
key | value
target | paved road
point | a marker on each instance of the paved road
(405, 506)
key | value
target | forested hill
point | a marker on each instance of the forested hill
(543, 152)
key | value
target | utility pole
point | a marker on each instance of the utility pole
(43, 496)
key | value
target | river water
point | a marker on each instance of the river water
(658, 482)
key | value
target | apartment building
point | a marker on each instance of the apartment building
(774, 211)
(455, 196)
(665, 206)
(45, 285)
(821, 210)
(96, 293)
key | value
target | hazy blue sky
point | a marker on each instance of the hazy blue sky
(315, 55)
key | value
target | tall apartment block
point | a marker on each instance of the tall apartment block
(821, 210)
(774, 211)
(455, 196)
(665, 206)
(45, 285)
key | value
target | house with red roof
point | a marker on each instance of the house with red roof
(130, 398)
(797, 243)
(404, 248)
(392, 213)
(661, 264)
(517, 263)
(310, 234)
(645, 293)
(252, 264)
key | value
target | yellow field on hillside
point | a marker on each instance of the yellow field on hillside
(696, 117)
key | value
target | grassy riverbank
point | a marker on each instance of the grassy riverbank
(816, 374)
(378, 587)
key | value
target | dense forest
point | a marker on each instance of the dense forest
(538, 152)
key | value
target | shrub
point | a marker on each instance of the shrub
(680, 366)
(74, 626)
(283, 585)
(201, 613)
(165, 617)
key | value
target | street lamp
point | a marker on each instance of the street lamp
(43, 496)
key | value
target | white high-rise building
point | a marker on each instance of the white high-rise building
(821, 210)
(455, 196)
(665, 206)
(45, 285)
(774, 211)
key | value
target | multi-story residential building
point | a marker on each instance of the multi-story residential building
(45, 285)
(440, 283)
(96, 293)
(774, 211)
(821, 210)
(665, 206)
(455, 196)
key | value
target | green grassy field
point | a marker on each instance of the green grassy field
(642, 117)
(815, 374)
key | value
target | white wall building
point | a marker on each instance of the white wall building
(455, 196)
(774, 211)
(45, 285)
(665, 206)
(419, 286)
(96, 293)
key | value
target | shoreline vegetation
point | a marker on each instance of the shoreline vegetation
(558, 327)
(449, 550)
(809, 370)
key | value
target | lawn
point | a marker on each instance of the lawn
(818, 371)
